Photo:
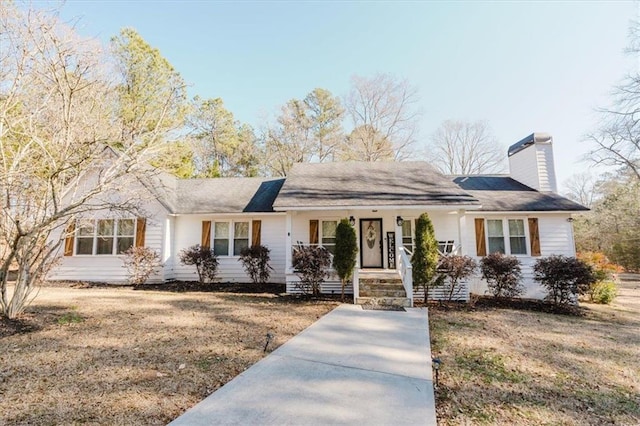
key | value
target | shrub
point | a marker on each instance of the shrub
(424, 261)
(454, 269)
(603, 269)
(141, 263)
(255, 260)
(503, 274)
(310, 263)
(205, 260)
(563, 277)
(344, 260)
(603, 292)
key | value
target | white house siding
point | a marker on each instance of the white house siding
(109, 268)
(523, 167)
(188, 232)
(556, 237)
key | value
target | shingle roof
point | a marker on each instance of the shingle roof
(359, 184)
(502, 193)
(220, 195)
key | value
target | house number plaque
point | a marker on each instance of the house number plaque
(391, 249)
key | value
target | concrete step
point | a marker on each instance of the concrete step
(384, 301)
(382, 293)
(384, 286)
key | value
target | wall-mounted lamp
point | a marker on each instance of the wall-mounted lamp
(399, 220)
(352, 220)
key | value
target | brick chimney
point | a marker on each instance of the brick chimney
(531, 162)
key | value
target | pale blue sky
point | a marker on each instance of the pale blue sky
(522, 66)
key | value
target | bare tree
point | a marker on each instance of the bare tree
(61, 155)
(617, 141)
(464, 148)
(583, 188)
(364, 143)
(386, 107)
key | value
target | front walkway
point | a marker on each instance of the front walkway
(352, 366)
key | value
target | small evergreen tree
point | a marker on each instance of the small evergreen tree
(425, 256)
(344, 260)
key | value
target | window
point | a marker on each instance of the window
(105, 236)
(328, 239)
(517, 238)
(230, 238)
(240, 237)
(221, 238)
(495, 234)
(515, 229)
(407, 235)
(445, 247)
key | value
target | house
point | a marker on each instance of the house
(519, 214)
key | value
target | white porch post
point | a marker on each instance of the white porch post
(288, 244)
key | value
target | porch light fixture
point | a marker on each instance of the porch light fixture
(352, 220)
(399, 220)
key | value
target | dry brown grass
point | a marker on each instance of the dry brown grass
(119, 356)
(504, 366)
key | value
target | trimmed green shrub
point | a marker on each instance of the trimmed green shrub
(344, 260)
(603, 292)
(204, 259)
(425, 256)
(503, 275)
(565, 278)
(255, 261)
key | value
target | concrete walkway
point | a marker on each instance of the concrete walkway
(351, 366)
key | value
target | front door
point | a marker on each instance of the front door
(371, 243)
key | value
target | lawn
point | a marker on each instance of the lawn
(506, 366)
(120, 356)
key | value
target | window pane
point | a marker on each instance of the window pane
(221, 246)
(105, 227)
(241, 230)
(84, 245)
(126, 227)
(496, 244)
(221, 230)
(518, 245)
(124, 244)
(495, 228)
(329, 229)
(406, 229)
(239, 244)
(516, 227)
(105, 245)
(86, 229)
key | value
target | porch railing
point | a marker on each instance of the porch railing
(406, 271)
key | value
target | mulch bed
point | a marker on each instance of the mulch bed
(478, 303)
(186, 286)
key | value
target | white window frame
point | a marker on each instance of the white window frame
(507, 236)
(232, 236)
(412, 222)
(321, 233)
(94, 237)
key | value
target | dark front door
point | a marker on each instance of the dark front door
(371, 243)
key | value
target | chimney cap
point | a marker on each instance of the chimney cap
(533, 138)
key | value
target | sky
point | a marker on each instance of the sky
(523, 67)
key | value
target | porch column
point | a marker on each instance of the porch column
(288, 245)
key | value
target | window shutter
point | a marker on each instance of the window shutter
(69, 239)
(256, 226)
(206, 234)
(313, 232)
(481, 243)
(534, 236)
(141, 231)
